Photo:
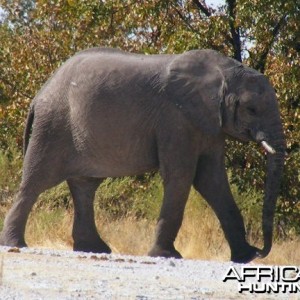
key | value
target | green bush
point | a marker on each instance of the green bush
(10, 172)
(56, 197)
(138, 196)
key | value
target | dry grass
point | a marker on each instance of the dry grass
(284, 253)
(50, 229)
(199, 238)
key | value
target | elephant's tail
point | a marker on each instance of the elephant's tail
(27, 130)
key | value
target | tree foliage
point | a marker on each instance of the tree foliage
(37, 36)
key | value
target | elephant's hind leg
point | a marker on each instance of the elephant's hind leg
(85, 235)
(32, 186)
(15, 221)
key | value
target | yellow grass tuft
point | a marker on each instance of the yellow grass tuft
(49, 229)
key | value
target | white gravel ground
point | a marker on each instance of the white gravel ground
(55, 274)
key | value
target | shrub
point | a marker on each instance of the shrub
(138, 196)
(10, 172)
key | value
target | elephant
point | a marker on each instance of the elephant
(109, 113)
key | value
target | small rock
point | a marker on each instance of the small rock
(14, 250)
(172, 264)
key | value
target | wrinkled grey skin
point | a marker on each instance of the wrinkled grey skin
(107, 113)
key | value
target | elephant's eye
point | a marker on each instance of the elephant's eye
(251, 111)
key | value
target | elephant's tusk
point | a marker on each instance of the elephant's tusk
(268, 148)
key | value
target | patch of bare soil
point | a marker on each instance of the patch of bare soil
(52, 274)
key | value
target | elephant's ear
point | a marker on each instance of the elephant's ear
(229, 102)
(196, 86)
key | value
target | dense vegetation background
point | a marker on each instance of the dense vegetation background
(38, 36)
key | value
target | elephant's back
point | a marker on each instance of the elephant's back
(119, 59)
(99, 79)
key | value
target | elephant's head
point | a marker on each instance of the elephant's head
(220, 95)
(249, 112)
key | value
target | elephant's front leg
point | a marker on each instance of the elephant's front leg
(176, 192)
(178, 154)
(212, 183)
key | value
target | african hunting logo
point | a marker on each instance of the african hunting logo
(265, 279)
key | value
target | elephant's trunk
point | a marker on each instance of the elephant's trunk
(275, 163)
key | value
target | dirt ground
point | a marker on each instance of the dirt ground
(56, 274)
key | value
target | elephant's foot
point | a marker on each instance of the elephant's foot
(92, 246)
(11, 240)
(245, 255)
(158, 251)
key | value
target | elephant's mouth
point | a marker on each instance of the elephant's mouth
(256, 136)
(261, 138)
(245, 136)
